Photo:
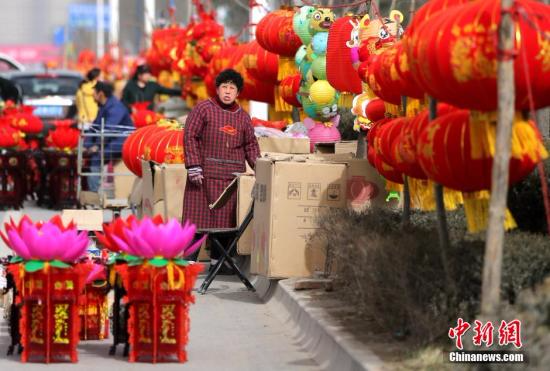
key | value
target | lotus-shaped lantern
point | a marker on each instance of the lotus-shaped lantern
(158, 243)
(49, 242)
(116, 228)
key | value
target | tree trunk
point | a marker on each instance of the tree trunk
(412, 9)
(492, 264)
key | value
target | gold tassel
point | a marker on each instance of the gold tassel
(414, 106)
(345, 100)
(526, 141)
(280, 104)
(423, 197)
(482, 134)
(393, 187)
(287, 67)
(476, 208)
(392, 109)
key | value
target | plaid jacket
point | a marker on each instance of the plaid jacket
(219, 141)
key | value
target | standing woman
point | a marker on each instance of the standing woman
(141, 89)
(85, 103)
(219, 138)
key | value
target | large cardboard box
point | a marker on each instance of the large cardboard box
(345, 146)
(291, 193)
(86, 220)
(163, 189)
(123, 181)
(284, 145)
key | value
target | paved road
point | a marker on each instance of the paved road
(231, 329)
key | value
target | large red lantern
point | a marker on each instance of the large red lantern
(9, 136)
(141, 116)
(288, 89)
(275, 33)
(26, 121)
(165, 146)
(375, 110)
(133, 147)
(260, 63)
(457, 55)
(451, 151)
(374, 157)
(65, 138)
(340, 71)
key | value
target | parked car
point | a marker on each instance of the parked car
(51, 92)
(7, 63)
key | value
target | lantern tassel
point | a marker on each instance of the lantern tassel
(392, 109)
(526, 141)
(287, 67)
(345, 100)
(393, 187)
(280, 104)
(476, 208)
(423, 198)
(414, 106)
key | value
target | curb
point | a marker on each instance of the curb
(330, 344)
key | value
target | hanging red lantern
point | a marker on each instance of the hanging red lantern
(340, 71)
(457, 55)
(26, 121)
(165, 146)
(258, 90)
(374, 157)
(375, 110)
(141, 116)
(451, 151)
(408, 86)
(260, 63)
(9, 136)
(275, 33)
(133, 147)
(288, 89)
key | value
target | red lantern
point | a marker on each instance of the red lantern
(258, 90)
(457, 55)
(275, 33)
(64, 138)
(165, 146)
(376, 110)
(289, 87)
(450, 152)
(340, 71)
(408, 86)
(259, 63)
(143, 116)
(132, 149)
(374, 157)
(9, 136)
(26, 121)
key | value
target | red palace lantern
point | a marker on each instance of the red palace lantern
(134, 145)
(142, 116)
(9, 136)
(26, 121)
(165, 146)
(374, 157)
(451, 151)
(340, 71)
(375, 110)
(457, 55)
(288, 89)
(260, 63)
(408, 86)
(375, 78)
(275, 33)
(63, 137)
(253, 89)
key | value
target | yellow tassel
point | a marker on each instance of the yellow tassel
(526, 141)
(287, 67)
(423, 196)
(482, 134)
(199, 88)
(367, 90)
(414, 106)
(345, 100)
(112, 275)
(392, 109)
(476, 208)
(280, 104)
(393, 187)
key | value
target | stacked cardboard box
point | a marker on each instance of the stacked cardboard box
(291, 193)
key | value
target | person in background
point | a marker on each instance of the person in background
(218, 139)
(115, 118)
(86, 105)
(142, 89)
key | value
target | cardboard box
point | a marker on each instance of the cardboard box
(345, 146)
(284, 145)
(123, 181)
(86, 220)
(163, 187)
(291, 192)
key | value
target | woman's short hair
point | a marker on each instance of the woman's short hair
(230, 76)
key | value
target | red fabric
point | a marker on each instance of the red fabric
(219, 141)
